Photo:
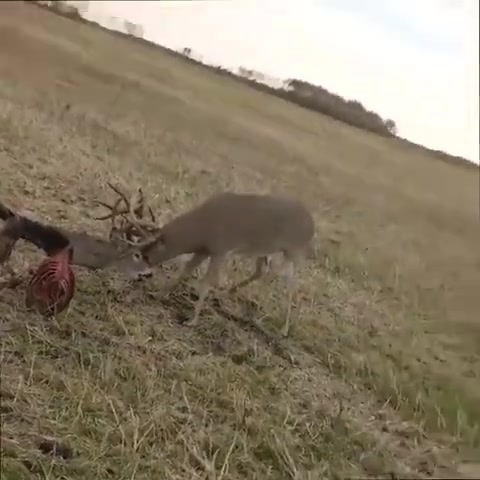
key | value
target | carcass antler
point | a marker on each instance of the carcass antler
(132, 223)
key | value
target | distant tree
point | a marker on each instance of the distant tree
(187, 51)
(391, 126)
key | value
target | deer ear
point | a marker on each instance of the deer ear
(158, 241)
(115, 234)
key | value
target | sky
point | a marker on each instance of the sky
(414, 61)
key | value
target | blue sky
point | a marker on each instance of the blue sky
(415, 61)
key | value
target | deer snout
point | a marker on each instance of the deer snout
(143, 275)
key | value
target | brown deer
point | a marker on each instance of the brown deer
(89, 251)
(224, 224)
(52, 285)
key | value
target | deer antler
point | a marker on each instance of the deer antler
(114, 209)
(138, 212)
(132, 223)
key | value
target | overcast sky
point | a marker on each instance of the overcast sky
(415, 61)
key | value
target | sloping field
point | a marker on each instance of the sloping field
(381, 373)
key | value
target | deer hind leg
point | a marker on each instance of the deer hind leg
(260, 269)
(209, 280)
(290, 283)
(185, 271)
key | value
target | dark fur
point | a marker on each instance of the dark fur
(5, 212)
(48, 238)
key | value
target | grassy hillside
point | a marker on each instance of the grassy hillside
(381, 372)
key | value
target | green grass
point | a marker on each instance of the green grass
(386, 343)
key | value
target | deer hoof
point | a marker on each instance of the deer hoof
(192, 323)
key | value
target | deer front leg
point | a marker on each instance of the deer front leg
(185, 271)
(289, 275)
(211, 279)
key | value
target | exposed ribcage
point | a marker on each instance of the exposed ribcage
(51, 287)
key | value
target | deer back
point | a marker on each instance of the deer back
(245, 223)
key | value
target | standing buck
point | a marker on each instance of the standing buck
(224, 224)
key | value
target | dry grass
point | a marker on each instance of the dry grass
(386, 349)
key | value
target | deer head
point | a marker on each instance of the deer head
(89, 251)
(130, 231)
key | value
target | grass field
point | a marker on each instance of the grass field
(386, 343)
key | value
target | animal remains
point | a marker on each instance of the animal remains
(89, 251)
(52, 286)
(9, 234)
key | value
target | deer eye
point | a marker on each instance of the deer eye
(137, 257)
